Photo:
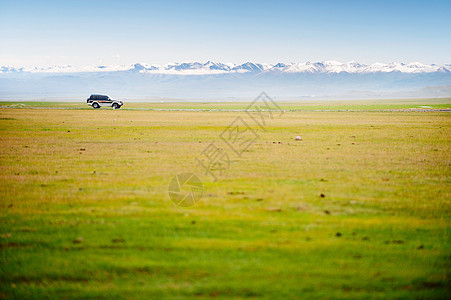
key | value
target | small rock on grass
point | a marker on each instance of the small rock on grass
(397, 242)
(298, 138)
(301, 208)
(274, 209)
(78, 240)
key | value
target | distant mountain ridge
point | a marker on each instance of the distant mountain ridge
(224, 81)
(212, 68)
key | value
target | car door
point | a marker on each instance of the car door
(105, 101)
(98, 99)
(109, 101)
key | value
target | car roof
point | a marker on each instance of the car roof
(99, 95)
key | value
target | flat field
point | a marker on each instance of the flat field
(360, 208)
(331, 105)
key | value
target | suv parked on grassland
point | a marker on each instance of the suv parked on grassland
(97, 101)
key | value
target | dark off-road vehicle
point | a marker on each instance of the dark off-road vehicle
(97, 101)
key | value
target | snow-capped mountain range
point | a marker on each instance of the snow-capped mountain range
(223, 81)
(212, 68)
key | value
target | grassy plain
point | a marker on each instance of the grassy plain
(359, 209)
(331, 105)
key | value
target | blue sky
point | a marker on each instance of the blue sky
(44, 33)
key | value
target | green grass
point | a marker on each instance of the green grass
(337, 105)
(85, 211)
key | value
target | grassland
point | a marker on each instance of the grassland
(336, 105)
(358, 209)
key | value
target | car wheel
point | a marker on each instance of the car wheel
(96, 105)
(116, 106)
